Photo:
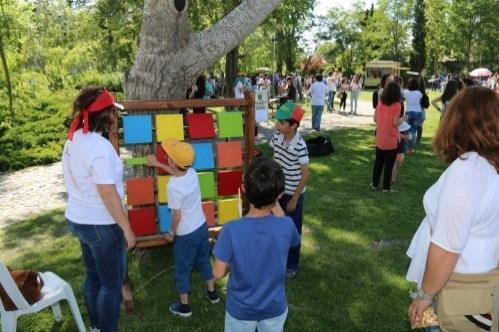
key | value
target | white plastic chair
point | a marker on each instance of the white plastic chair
(54, 290)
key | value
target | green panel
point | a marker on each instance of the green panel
(207, 184)
(230, 124)
(139, 161)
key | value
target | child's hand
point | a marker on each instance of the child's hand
(291, 205)
(152, 160)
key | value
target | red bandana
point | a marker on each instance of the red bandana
(103, 101)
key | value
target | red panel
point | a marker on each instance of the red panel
(143, 221)
(140, 191)
(200, 126)
(209, 212)
(162, 158)
(229, 182)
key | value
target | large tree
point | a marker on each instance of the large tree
(170, 55)
(418, 53)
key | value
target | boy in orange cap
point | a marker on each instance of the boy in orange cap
(189, 231)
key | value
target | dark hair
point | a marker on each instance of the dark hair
(318, 78)
(391, 93)
(468, 81)
(99, 121)
(412, 84)
(383, 80)
(470, 123)
(451, 89)
(263, 182)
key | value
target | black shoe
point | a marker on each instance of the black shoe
(182, 310)
(213, 296)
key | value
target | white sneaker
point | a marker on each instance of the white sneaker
(94, 329)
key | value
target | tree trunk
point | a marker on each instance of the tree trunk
(5, 67)
(170, 56)
(231, 71)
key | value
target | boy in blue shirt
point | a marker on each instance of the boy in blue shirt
(255, 250)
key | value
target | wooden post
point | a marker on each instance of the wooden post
(249, 128)
(113, 133)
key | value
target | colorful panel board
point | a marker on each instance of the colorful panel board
(230, 124)
(169, 125)
(143, 221)
(165, 218)
(229, 154)
(203, 156)
(209, 212)
(228, 210)
(207, 184)
(140, 191)
(137, 129)
(162, 182)
(229, 182)
(200, 126)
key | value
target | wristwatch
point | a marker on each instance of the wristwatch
(420, 293)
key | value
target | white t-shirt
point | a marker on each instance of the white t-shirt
(413, 100)
(239, 90)
(90, 159)
(318, 92)
(184, 195)
(331, 83)
(462, 208)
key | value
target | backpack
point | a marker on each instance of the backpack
(319, 146)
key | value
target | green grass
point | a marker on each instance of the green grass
(346, 282)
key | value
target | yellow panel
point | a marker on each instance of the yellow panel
(169, 125)
(228, 210)
(162, 193)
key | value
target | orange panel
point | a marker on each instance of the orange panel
(229, 154)
(140, 191)
(209, 212)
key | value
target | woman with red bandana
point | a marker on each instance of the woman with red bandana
(93, 176)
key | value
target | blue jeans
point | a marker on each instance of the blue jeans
(316, 116)
(103, 250)
(330, 100)
(189, 250)
(415, 119)
(274, 324)
(297, 217)
(354, 98)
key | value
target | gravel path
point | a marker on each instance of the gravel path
(37, 190)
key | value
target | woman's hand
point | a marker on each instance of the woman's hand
(415, 311)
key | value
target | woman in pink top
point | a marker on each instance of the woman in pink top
(387, 118)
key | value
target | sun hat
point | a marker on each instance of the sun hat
(181, 153)
(101, 103)
(404, 126)
(290, 111)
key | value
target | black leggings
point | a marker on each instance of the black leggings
(384, 159)
(343, 100)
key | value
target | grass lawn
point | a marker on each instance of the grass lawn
(353, 254)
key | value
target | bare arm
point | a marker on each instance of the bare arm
(439, 267)
(112, 201)
(153, 162)
(435, 101)
(305, 174)
(220, 269)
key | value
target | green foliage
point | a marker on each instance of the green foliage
(418, 53)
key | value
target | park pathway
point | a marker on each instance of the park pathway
(40, 189)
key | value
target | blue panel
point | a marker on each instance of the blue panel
(137, 129)
(165, 218)
(203, 156)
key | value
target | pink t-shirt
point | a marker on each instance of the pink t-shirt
(387, 134)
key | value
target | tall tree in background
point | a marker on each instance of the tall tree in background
(418, 53)
(170, 56)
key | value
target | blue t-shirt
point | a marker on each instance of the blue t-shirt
(256, 249)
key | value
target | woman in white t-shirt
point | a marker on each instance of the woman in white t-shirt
(93, 176)
(413, 110)
(460, 232)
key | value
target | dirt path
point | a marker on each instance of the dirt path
(37, 190)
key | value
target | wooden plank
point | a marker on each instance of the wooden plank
(184, 103)
(159, 239)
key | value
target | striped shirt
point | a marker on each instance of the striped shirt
(291, 156)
